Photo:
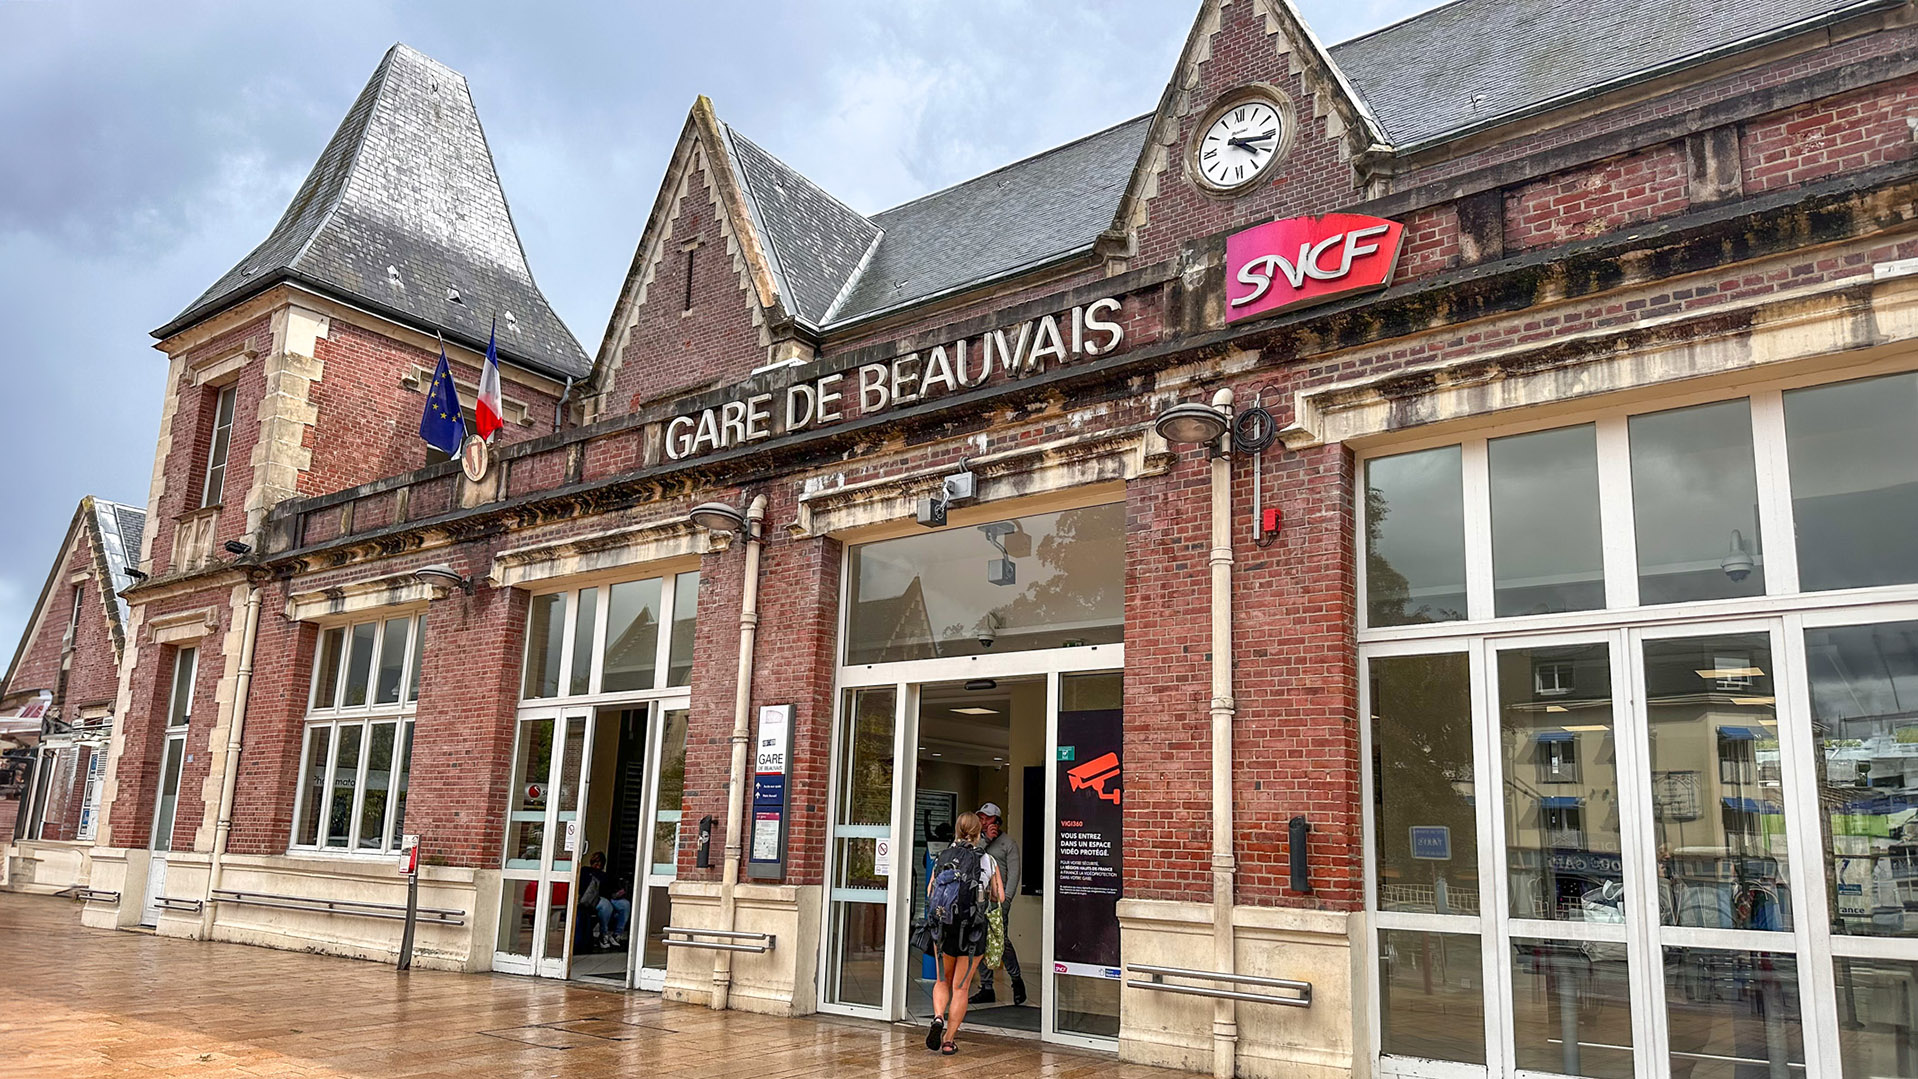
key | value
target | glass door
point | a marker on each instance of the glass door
(1565, 758)
(660, 840)
(1723, 880)
(857, 977)
(536, 918)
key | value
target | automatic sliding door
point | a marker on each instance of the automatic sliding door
(856, 971)
(659, 845)
(536, 885)
(1088, 843)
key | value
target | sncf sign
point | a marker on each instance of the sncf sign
(1304, 259)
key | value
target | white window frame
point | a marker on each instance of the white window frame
(1782, 613)
(218, 453)
(333, 716)
(174, 733)
(668, 577)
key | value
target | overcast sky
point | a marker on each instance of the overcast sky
(144, 148)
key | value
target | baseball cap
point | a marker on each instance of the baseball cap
(990, 809)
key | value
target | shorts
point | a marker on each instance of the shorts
(961, 944)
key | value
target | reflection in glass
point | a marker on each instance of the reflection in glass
(1432, 996)
(1572, 1008)
(579, 678)
(1877, 1017)
(1561, 783)
(346, 775)
(1546, 550)
(1415, 538)
(632, 636)
(1047, 581)
(858, 954)
(379, 778)
(399, 791)
(672, 794)
(186, 666)
(516, 914)
(1422, 788)
(1087, 1006)
(679, 660)
(659, 913)
(326, 670)
(865, 775)
(1853, 449)
(1718, 801)
(386, 687)
(1695, 504)
(566, 791)
(359, 664)
(526, 807)
(1733, 1014)
(1864, 704)
(559, 909)
(419, 658)
(315, 793)
(169, 795)
(545, 630)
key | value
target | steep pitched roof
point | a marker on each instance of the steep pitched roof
(817, 242)
(1474, 63)
(403, 205)
(114, 532)
(1026, 214)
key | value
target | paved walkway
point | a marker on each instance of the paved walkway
(87, 1002)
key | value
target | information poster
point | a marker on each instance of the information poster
(1091, 838)
(770, 752)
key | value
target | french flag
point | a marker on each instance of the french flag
(486, 411)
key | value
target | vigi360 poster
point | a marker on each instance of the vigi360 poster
(1091, 835)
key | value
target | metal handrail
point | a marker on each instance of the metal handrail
(352, 907)
(1156, 976)
(764, 941)
(193, 906)
(89, 895)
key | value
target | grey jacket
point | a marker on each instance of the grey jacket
(1005, 851)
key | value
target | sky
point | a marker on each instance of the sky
(144, 148)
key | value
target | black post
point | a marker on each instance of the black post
(412, 908)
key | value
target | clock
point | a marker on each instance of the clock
(1240, 139)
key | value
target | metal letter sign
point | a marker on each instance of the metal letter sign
(770, 751)
(1432, 843)
(1300, 260)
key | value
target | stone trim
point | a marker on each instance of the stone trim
(181, 626)
(1125, 453)
(1750, 335)
(280, 453)
(374, 593)
(217, 373)
(634, 545)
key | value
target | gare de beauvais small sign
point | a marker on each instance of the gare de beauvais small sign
(1012, 352)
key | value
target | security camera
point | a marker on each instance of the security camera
(988, 630)
(1738, 561)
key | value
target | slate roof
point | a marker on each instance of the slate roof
(817, 241)
(403, 204)
(118, 530)
(1474, 62)
(1030, 212)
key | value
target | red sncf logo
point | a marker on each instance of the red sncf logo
(1300, 259)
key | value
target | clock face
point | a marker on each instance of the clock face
(1239, 145)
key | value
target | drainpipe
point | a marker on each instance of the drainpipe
(742, 740)
(1225, 1023)
(230, 779)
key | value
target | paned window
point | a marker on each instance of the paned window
(624, 637)
(215, 486)
(358, 747)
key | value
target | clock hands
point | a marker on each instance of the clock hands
(1246, 141)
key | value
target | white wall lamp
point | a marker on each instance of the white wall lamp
(441, 575)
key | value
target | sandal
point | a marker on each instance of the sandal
(948, 1049)
(937, 1033)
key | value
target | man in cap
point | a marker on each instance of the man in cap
(1004, 851)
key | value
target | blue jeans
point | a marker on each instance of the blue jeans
(613, 914)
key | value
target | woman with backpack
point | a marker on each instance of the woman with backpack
(965, 884)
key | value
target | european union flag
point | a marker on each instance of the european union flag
(441, 425)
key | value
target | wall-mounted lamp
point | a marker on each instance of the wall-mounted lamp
(718, 517)
(1191, 424)
(237, 549)
(444, 576)
(134, 573)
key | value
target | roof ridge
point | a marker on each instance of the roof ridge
(378, 83)
(1013, 164)
(1396, 23)
(733, 132)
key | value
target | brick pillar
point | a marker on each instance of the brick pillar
(275, 725)
(709, 725)
(463, 733)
